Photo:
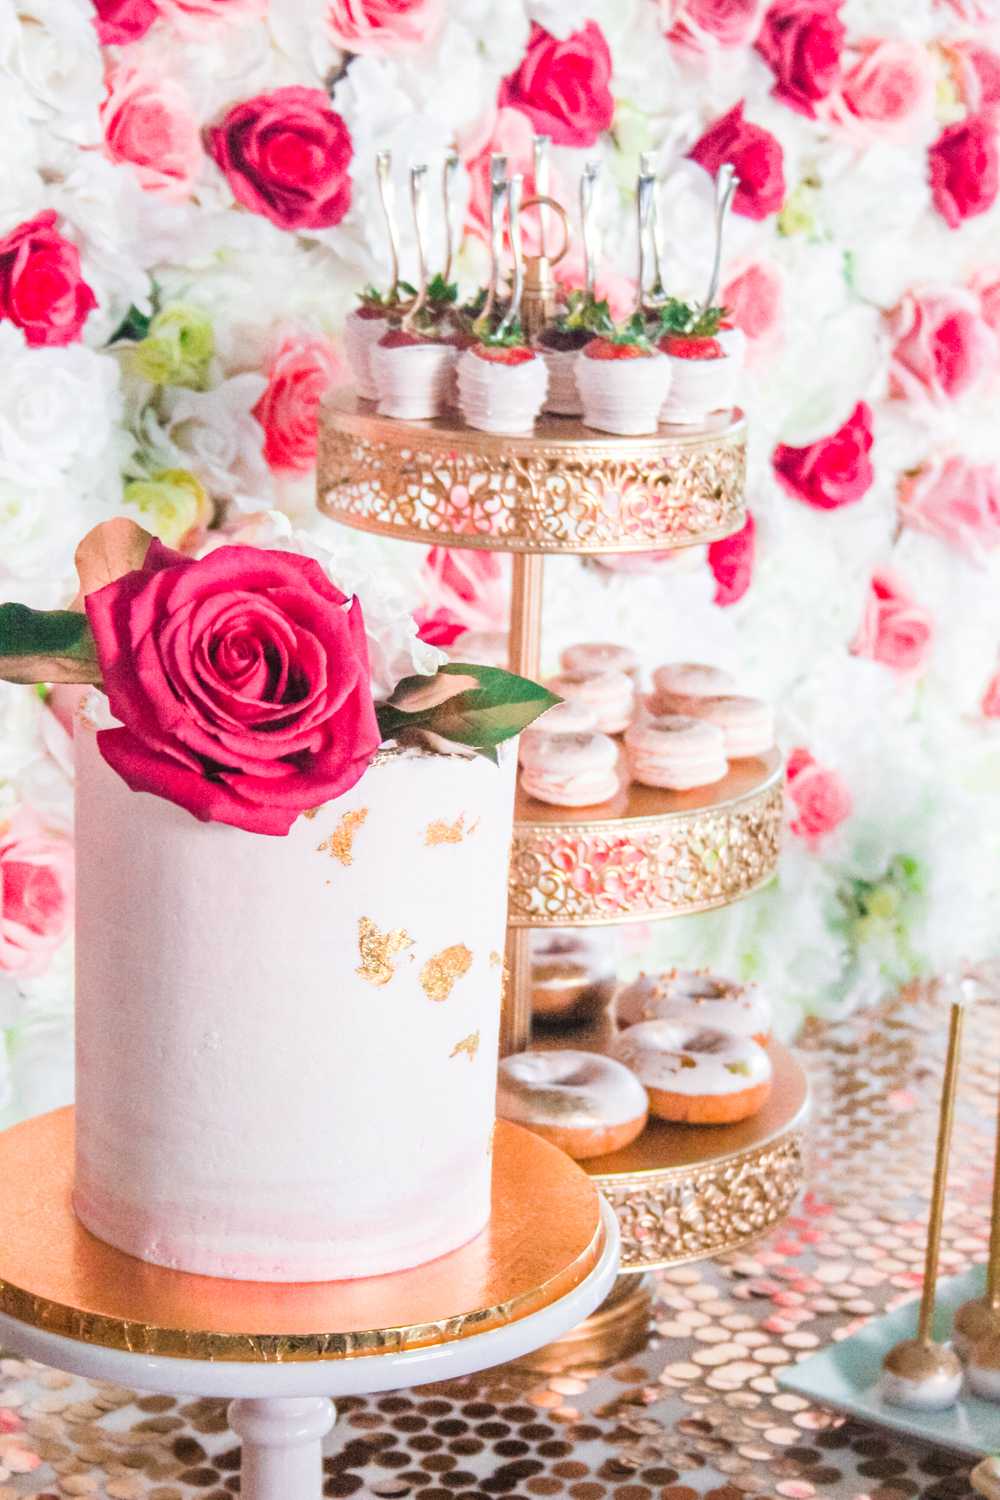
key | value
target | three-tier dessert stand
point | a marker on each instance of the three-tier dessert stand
(679, 1194)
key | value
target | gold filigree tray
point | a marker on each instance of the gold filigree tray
(685, 1192)
(562, 488)
(646, 852)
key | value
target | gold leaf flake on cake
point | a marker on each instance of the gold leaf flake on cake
(467, 1047)
(310, 812)
(377, 949)
(443, 832)
(340, 844)
(440, 973)
(494, 958)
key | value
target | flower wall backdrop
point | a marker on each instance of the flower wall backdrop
(187, 207)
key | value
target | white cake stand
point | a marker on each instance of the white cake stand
(548, 1257)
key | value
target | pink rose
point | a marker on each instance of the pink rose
(954, 500)
(465, 591)
(894, 630)
(754, 296)
(241, 681)
(986, 286)
(989, 704)
(42, 289)
(149, 123)
(964, 170)
(888, 86)
(212, 10)
(702, 25)
(36, 893)
(610, 285)
(564, 86)
(975, 69)
(943, 346)
(731, 561)
(287, 155)
(820, 796)
(383, 25)
(119, 22)
(513, 135)
(833, 471)
(756, 155)
(802, 41)
(298, 378)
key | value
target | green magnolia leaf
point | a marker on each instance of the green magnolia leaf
(39, 645)
(481, 717)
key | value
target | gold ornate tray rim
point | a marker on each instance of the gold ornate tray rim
(748, 821)
(36, 1159)
(345, 414)
(772, 759)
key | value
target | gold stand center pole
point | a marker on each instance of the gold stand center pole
(993, 1261)
(925, 1326)
(524, 657)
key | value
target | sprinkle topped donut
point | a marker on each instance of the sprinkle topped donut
(675, 751)
(609, 693)
(570, 770)
(694, 1075)
(583, 1102)
(600, 656)
(696, 999)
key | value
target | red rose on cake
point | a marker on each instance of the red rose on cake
(287, 156)
(241, 682)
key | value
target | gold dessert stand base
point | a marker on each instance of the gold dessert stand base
(684, 1193)
(546, 1259)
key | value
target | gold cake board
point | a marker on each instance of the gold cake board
(543, 1240)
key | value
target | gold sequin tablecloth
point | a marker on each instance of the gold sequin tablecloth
(698, 1412)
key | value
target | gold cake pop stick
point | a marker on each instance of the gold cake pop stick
(918, 1372)
(978, 1319)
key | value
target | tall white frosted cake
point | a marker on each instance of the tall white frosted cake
(287, 1047)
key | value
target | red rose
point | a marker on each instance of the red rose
(42, 288)
(802, 40)
(241, 680)
(299, 377)
(563, 86)
(833, 471)
(287, 156)
(119, 22)
(731, 561)
(465, 591)
(943, 345)
(964, 170)
(756, 156)
(819, 796)
(382, 26)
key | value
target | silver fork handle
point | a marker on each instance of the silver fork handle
(418, 202)
(387, 198)
(515, 192)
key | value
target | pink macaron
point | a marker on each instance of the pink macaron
(693, 679)
(610, 694)
(570, 770)
(566, 717)
(747, 724)
(675, 751)
(600, 656)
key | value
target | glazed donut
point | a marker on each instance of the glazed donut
(583, 1102)
(694, 1075)
(695, 998)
